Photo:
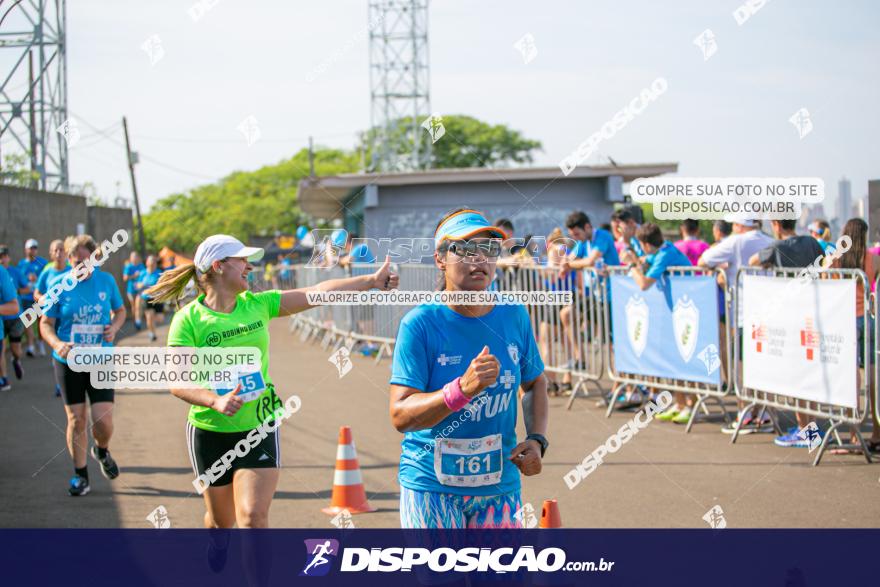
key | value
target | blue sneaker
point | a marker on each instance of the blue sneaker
(790, 441)
(78, 486)
(4, 384)
(793, 439)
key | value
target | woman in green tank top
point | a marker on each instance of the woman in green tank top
(232, 434)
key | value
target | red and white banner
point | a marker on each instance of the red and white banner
(800, 339)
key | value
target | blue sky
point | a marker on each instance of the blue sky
(727, 116)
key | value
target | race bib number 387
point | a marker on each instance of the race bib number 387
(87, 334)
(468, 462)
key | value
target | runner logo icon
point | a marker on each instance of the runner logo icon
(320, 555)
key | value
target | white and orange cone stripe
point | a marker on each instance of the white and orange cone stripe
(348, 485)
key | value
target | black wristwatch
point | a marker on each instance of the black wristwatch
(541, 440)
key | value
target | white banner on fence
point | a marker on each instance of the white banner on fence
(800, 340)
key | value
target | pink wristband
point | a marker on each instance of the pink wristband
(453, 396)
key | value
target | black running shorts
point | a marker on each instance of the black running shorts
(207, 448)
(76, 386)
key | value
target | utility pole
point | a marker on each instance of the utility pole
(137, 206)
(311, 158)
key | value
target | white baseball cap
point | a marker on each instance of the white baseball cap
(741, 220)
(221, 246)
(31, 243)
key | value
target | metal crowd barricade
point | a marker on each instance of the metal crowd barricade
(837, 415)
(703, 391)
(336, 325)
(569, 337)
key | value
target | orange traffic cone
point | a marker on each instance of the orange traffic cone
(348, 486)
(550, 517)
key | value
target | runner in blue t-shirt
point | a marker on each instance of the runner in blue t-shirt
(30, 268)
(56, 267)
(131, 274)
(90, 314)
(11, 326)
(150, 277)
(8, 307)
(454, 383)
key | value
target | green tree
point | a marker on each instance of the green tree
(467, 142)
(244, 203)
(17, 170)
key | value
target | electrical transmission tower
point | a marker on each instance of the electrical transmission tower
(399, 76)
(33, 89)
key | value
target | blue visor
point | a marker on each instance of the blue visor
(465, 224)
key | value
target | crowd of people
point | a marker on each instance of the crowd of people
(445, 357)
(90, 314)
(647, 252)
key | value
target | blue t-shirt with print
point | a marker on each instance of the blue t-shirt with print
(30, 272)
(8, 292)
(18, 282)
(666, 256)
(134, 273)
(81, 313)
(149, 279)
(467, 452)
(48, 275)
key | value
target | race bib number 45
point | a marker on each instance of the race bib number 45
(87, 334)
(468, 462)
(252, 386)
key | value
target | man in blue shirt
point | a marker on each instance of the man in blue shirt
(661, 255)
(8, 307)
(90, 314)
(12, 326)
(625, 221)
(594, 247)
(30, 268)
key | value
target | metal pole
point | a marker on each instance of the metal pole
(311, 158)
(137, 205)
(32, 121)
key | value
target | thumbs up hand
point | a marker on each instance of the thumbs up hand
(481, 373)
(384, 279)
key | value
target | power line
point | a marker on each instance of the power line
(220, 140)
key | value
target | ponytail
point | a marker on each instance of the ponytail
(173, 283)
(826, 235)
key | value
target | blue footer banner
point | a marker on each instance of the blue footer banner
(365, 557)
(668, 330)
